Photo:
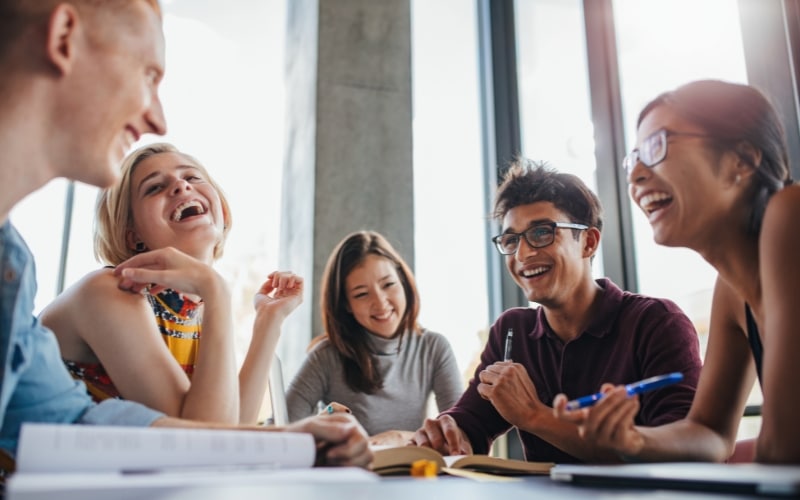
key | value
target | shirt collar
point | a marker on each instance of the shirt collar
(610, 303)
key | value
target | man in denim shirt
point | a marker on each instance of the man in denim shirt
(78, 86)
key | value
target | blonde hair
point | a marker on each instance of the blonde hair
(114, 216)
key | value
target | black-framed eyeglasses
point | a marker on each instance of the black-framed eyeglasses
(537, 236)
(653, 149)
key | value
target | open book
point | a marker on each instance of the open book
(396, 461)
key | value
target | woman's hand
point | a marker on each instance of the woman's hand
(340, 439)
(156, 270)
(280, 294)
(335, 407)
(609, 424)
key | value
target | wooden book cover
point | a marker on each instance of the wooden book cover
(396, 461)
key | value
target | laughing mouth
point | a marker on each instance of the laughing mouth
(383, 317)
(532, 273)
(187, 209)
(654, 201)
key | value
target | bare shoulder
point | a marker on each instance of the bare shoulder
(92, 297)
(779, 240)
(727, 307)
(783, 207)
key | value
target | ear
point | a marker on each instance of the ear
(749, 159)
(592, 238)
(131, 239)
(62, 29)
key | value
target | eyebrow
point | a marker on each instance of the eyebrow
(388, 276)
(158, 173)
(531, 224)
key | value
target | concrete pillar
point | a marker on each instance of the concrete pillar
(348, 163)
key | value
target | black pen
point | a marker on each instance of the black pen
(509, 337)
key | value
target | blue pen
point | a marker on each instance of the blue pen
(639, 387)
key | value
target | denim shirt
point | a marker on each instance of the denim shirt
(35, 386)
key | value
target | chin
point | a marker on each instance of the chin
(666, 241)
(101, 178)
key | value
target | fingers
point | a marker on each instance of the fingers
(612, 416)
(279, 284)
(168, 267)
(282, 280)
(430, 435)
(456, 441)
(340, 439)
(335, 407)
(443, 435)
(353, 452)
(577, 417)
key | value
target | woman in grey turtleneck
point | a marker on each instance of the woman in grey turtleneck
(374, 359)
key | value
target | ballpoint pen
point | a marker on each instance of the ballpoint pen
(509, 337)
(639, 387)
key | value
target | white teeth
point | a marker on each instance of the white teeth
(385, 315)
(647, 201)
(177, 214)
(533, 272)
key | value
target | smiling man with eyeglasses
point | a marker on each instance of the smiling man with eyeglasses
(582, 330)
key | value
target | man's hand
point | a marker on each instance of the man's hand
(510, 390)
(443, 435)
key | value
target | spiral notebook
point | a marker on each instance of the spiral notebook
(777, 480)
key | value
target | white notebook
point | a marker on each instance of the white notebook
(750, 478)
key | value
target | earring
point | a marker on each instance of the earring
(737, 179)
(139, 248)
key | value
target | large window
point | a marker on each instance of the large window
(652, 60)
(555, 112)
(448, 188)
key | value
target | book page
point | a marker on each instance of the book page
(82, 448)
(451, 459)
(495, 465)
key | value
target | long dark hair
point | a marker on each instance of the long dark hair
(348, 337)
(733, 114)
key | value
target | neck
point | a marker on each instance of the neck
(736, 261)
(570, 319)
(24, 166)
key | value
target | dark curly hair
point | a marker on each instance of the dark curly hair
(527, 182)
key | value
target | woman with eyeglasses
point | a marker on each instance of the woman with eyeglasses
(374, 359)
(156, 325)
(711, 174)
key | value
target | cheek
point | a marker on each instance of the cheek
(400, 302)
(357, 311)
(509, 261)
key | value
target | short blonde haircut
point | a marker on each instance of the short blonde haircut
(16, 16)
(114, 216)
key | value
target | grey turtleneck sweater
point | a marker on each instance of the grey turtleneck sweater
(424, 364)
